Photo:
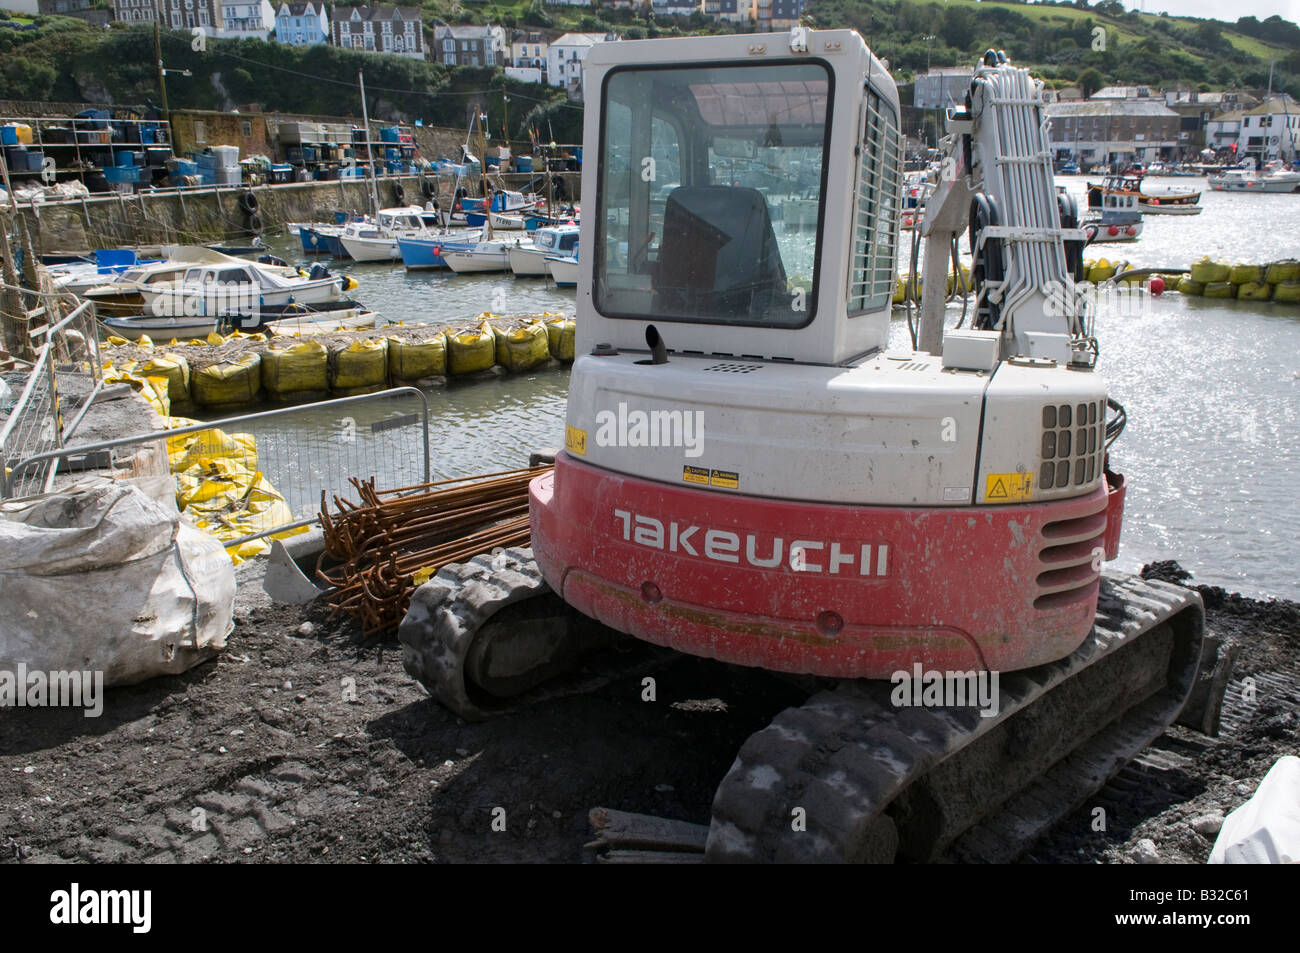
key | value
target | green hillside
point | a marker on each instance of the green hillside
(68, 60)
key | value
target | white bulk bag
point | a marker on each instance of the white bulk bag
(104, 579)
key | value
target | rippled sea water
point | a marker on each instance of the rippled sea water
(1211, 388)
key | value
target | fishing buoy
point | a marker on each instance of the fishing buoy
(1131, 230)
(1157, 286)
(1113, 230)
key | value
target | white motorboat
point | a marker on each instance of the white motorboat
(564, 271)
(377, 240)
(1244, 180)
(492, 255)
(124, 294)
(529, 258)
(161, 329)
(242, 288)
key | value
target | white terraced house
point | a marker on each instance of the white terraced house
(395, 30)
(246, 19)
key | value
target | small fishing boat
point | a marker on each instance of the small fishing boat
(123, 294)
(490, 255)
(377, 240)
(424, 252)
(1169, 202)
(1275, 178)
(322, 240)
(1118, 220)
(564, 271)
(244, 288)
(160, 328)
(528, 259)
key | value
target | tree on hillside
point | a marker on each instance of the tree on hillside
(958, 28)
(1089, 81)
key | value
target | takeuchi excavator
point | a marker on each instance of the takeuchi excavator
(751, 473)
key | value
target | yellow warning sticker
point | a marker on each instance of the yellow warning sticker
(575, 440)
(725, 478)
(1008, 487)
(695, 475)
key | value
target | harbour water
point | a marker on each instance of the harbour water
(1211, 389)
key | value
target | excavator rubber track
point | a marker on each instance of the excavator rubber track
(850, 777)
(488, 636)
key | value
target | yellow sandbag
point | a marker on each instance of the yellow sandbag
(1279, 271)
(175, 369)
(1287, 292)
(191, 450)
(899, 290)
(525, 348)
(1189, 287)
(228, 383)
(471, 351)
(1102, 270)
(359, 368)
(1219, 289)
(248, 504)
(117, 341)
(417, 360)
(1210, 271)
(1241, 274)
(152, 389)
(299, 370)
(1254, 291)
(212, 481)
(559, 337)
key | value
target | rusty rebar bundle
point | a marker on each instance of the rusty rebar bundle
(389, 541)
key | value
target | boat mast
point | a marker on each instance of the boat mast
(370, 155)
(487, 202)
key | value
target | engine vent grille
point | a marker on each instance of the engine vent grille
(1067, 560)
(1073, 445)
(733, 368)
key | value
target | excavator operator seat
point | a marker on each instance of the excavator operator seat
(719, 255)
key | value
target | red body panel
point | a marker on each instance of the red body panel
(878, 588)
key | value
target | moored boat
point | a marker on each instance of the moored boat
(564, 271)
(528, 259)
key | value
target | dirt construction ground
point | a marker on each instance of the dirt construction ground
(268, 754)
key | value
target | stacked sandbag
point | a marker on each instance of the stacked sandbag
(1280, 271)
(417, 362)
(175, 370)
(1244, 274)
(1287, 292)
(296, 370)
(1254, 290)
(560, 336)
(1100, 271)
(1188, 286)
(359, 368)
(1208, 271)
(524, 348)
(471, 351)
(234, 383)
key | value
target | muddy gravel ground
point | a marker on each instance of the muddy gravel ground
(304, 742)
